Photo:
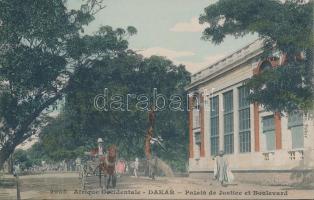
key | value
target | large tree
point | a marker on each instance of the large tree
(286, 26)
(42, 46)
(80, 123)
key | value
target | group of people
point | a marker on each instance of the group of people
(152, 168)
(222, 171)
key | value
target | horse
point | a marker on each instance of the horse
(107, 166)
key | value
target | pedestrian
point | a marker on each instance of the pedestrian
(120, 167)
(222, 172)
(78, 164)
(154, 167)
(136, 165)
(16, 169)
(127, 168)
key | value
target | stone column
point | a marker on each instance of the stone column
(278, 130)
(202, 111)
(256, 127)
(252, 128)
(191, 152)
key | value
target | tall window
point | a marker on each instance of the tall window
(197, 137)
(269, 132)
(214, 126)
(295, 124)
(196, 119)
(228, 122)
(244, 120)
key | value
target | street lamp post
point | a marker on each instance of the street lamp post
(16, 175)
(100, 153)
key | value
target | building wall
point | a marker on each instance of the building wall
(282, 158)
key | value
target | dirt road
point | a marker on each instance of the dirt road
(67, 186)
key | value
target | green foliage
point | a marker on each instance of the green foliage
(21, 157)
(58, 141)
(37, 154)
(81, 124)
(287, 25)
(30, 157)
(283, 88)
(42, 48)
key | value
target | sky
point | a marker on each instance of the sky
(167, 28)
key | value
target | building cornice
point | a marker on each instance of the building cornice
(226, 64)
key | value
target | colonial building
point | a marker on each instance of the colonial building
(254, 140)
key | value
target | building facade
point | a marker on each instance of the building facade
(253, 139)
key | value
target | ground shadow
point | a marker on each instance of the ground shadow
(7, 183)
(303, 173)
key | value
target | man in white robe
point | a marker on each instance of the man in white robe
(136, 166)
(222, 172)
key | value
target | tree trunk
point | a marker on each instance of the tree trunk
(5, 153)
(10, 164)
(19, 134)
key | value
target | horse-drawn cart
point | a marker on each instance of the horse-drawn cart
(101, 166)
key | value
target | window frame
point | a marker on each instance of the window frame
(296, 122)
(244, 120)
(269, 130)
(228, 121)
(214, 130)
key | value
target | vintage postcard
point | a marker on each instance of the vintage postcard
(156, 99)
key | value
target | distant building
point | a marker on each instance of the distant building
(254, 140)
